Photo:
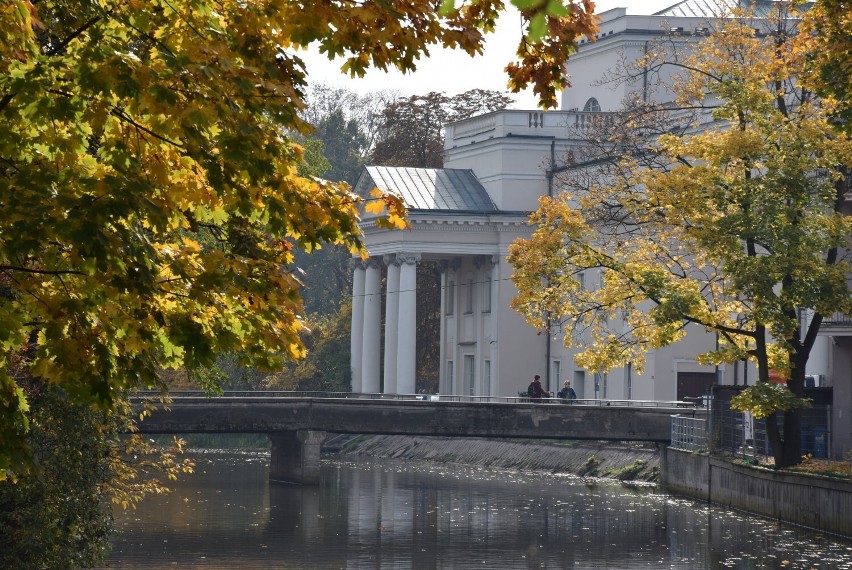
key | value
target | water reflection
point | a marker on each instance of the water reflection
(370, 514)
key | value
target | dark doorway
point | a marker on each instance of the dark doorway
(694, 384)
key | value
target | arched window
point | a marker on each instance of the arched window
(592, 106)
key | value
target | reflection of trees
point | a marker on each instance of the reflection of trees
(368, 516)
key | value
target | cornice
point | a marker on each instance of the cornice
(453, 226)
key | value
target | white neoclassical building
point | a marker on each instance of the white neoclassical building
(467, 214)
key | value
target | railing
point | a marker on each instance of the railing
(689, 434)
(740, 435)
(259, 394)
(837, 320)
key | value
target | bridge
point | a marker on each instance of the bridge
(297, 422)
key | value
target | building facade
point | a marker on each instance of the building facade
(466, 215)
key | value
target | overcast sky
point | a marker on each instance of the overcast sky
(454, 72)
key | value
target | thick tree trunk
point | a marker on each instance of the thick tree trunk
(787, 451)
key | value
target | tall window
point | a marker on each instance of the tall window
(451, 296)
(486, 295)
(486, 378)
(468, 296)
(600, 385)
(450, 376)
(579, 384)
(557, 374)
(470, 374)
(592, 106)
(629, 373)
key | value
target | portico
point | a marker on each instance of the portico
(454, 224)
(400, 322)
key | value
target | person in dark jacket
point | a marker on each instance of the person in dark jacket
(568, 393)
(535, 390)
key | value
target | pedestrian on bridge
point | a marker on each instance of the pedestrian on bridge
(535, 390)
(568, 393)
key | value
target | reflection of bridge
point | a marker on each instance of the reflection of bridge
(297, 422)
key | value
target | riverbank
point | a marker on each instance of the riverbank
(637, 462)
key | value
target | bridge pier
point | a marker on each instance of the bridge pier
(296, 456)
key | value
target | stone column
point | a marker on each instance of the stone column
(295, 456)
(391, 323)
(407, 343)
(357, 346)
(372, 327)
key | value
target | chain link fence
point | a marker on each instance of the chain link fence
(737, 434)
(741, 435)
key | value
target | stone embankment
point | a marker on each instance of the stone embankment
(623, 461)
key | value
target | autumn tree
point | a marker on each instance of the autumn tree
(720, 208)
(364, 109)
(828, 25)
(412, 128)
(132, 132)
(89, 459)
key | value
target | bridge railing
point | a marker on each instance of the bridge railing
(689, 434)
(200, 394)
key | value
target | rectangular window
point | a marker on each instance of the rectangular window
(451, 297)
(468, 304)
(629, 373)
(600, 385)
(486, 296)
(557, 374)
(579, 383)
(470, 375)
(486, 378)
(450, 377)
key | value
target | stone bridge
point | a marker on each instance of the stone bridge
(297, 425)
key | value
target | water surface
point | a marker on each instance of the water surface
(392, 514)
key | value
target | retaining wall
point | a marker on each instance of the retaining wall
(816, 502)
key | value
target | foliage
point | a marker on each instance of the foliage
(343, 145)
(828, 43)
(765, 398)
(327, 367)
(131, 132)
(60, 517)
(735, 226)
(412, 132)
(365, 109)
(428, 342)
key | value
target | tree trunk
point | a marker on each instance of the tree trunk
(792, 449)
(788, 451)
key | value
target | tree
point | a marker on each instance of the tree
(365, 109)
(60, 516)
(412, 132)
(343, 145)
(828, 29)
(735, 226)
(132, 132)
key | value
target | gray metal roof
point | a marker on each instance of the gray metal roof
(429, 188)
(714, 8)
(698, 8)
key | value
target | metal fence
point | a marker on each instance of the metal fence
(520, 399)
(689, 434)
(738, 434)
(741, 435)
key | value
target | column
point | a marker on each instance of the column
(407, 328)
(391, 323)
(357, 331)
(295, 456)
(372, 331)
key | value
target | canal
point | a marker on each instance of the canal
(371, 513)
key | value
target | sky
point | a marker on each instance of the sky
(455, 72)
